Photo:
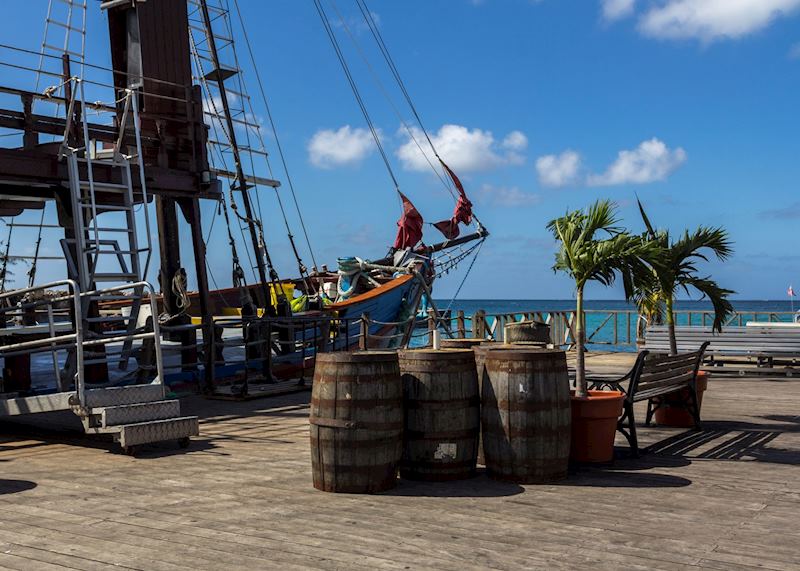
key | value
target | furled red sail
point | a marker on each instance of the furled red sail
(462, 212)
(409, 227)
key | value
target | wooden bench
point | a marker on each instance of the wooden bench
(652, 376)
(765, 343)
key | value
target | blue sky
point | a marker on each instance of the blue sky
(540, 106)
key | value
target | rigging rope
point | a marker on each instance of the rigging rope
(373, 27)
(337, 48)
(277, 143)
(376, 33)
(182, 301)
(303, 271)
(32, 271)
(4, 269)
(466, 275)
(255, 225)
(444, 180)
(237, 270)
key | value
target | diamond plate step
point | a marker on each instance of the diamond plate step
(158, 431)
(114, 396)
(141, 412)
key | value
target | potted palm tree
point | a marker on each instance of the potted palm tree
(592, 247)
(673, 267)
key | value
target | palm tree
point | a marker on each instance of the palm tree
(594, 248)
(673, 267)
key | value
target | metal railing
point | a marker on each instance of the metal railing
(149, 332)
(614, 328)
(66, 331)
(22, 311)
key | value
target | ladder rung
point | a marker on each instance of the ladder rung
(65, 26)
(62, 50)
(108, 297)
(107, 207)
(124, 252)
(103, 229)
(99, 161)
(104, 185)
(114, 277)
(108, 319)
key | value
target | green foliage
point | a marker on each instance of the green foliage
(594, 248)
(673, 266)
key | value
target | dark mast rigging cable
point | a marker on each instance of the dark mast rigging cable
(376, 33)
(335, 43)
(256, 236)
(373, 27)
(277, 141)
(442, 177)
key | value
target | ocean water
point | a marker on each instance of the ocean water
(604, 333)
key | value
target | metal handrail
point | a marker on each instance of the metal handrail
(77, 336)
(155, 334)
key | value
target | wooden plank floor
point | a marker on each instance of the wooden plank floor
(241, 498)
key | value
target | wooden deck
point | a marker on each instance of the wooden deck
(241, 498)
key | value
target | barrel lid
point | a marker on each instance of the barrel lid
(519, 353)
(525, 346)
(357, 357)
(427, 354)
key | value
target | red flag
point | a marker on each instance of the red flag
(462, 212)
(409, 230)
(448, 227)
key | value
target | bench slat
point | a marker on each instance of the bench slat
(647, 377)
(664, 386)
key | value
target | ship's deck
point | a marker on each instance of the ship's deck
(241, 498)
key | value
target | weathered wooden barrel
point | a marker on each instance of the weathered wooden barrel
(525, 415)
(527, 332)
(356, 421)
(482, 349)
(462, 343)
(442, 414)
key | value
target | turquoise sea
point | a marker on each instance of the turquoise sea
(598, 312)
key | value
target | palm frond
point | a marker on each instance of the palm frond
(717, 295)
(650, 230)
(692, 245)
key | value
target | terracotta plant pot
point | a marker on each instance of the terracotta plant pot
(594, 425)
(672, 411)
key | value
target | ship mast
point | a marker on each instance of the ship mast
(218, 74)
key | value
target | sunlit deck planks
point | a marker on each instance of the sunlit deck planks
(241, 498)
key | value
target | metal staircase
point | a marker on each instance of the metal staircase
(105, 249)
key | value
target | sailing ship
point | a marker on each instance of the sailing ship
(179, 128)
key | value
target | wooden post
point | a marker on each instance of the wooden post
(628, 327)
(170, 252)
(30, 138)
(479, 324)
(431, 329)
(363, 339)
(324, 336)
(460, 324)
(191, 212)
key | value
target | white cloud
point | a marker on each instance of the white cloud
(515, 141)
(464, 149)
(651, 161)
(614, 10)
(345, 146)
(710, 20)
(506, 196)
(559, 170)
